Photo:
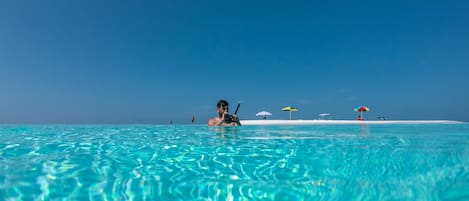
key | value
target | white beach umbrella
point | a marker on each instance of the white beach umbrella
(264, 114)
(323, 115)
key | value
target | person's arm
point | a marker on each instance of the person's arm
(220, 123)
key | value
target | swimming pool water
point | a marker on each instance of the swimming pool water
(196, 162)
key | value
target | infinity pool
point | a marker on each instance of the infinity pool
(196, 162)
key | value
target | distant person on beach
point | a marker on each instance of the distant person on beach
(360, 117)
(224, 118)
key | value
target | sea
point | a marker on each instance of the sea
(197, 162)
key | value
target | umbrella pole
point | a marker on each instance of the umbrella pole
(290, 115)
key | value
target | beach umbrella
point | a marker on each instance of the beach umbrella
(323, 115)
(264, 114)
(290, 109)
(362, 109)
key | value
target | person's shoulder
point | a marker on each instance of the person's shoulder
(212, 121)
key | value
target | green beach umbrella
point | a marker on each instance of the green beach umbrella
(290, 109)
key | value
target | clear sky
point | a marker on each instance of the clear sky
(153, 61)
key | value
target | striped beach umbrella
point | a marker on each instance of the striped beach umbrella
(361, 109)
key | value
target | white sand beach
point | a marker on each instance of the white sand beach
(312, 122)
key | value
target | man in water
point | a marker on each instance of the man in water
(224, 118)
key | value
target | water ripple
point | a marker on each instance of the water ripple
(144, 162)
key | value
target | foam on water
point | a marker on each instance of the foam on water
(187, 162)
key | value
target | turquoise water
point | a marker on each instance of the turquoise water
(187, 162)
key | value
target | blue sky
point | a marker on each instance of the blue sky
(155, 61)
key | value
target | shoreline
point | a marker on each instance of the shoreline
(314, 122)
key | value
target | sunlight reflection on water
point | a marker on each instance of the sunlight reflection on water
(316, 162)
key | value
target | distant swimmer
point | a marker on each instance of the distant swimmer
(224, 117)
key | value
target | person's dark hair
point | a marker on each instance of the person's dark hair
(222, 103)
